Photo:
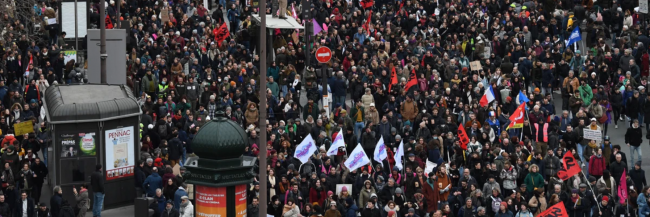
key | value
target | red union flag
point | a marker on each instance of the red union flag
(462, 136)
(556, 210)
(570, 166)
(221, 33)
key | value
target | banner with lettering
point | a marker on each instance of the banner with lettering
(358, 158)
(556, 210)
(462, 136)
(120, 152)
(570, 166)
(210, 201)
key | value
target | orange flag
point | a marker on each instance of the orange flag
(221, 33)
(556, 210)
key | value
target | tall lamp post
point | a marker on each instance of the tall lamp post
(102, 40)
(262, 108)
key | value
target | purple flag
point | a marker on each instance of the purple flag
(317, 27)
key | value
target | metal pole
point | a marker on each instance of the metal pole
(76, 29)
(262, 108)
(117, 18)
(102, 39)
(324, 74)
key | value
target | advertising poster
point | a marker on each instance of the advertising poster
(240, 200)
(211, 201)
(77, 145)
(120, 156)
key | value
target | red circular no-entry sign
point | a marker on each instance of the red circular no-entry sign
(323, 54)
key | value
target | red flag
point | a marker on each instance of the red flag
(109, 23)
(221, 33)
(570, 166)
(556, 210)
(366, 3)
(393, 79)
(366, 25)
(462, 136)
(622, 188)
(517, 117)
(400, 6)
(413, 80)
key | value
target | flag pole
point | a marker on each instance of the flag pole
(592, 189)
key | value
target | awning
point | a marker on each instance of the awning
(277, 23)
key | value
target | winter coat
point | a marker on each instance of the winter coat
(601, 186)
(83, 202)
(596, 165)
(153, 182)
(187, 210)
(634, 136)
(638, 177)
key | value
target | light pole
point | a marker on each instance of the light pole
(102, 39)
(262, 108)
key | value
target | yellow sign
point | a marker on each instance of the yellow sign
(23, 128)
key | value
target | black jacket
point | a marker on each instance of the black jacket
(41, 171)
(55, 205)
(139, 176)
(5, 210)
(18, 210)
(638, 177)
(634, 136)
(97, 182)
(171, 213)
(175, 149)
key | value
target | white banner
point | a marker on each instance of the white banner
(306, 148)
(358, 158)
(380, 150)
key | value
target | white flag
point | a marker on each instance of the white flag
(358, 158)
(305, 149)
(380, 150)
(398, 155)
(338, 142)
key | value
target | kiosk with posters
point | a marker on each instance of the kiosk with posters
(220, 174)
(92, 124)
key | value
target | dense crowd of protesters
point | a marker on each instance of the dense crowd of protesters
(402, 71)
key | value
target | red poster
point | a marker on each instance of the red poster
(240, 200)
(210, 201)
(556, 210)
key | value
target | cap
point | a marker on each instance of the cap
(593, 119)
(411, 210)
(583, 185)
(592, 179)
(372, 104)
(170, 202)
(574, 191)
(606, 138)
(333, 203)
(411, 155)
(641, 87)
(185, 198)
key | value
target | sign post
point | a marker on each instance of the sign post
(324, 55)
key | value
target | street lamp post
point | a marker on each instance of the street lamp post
(262, 108)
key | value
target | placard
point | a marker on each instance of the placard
(164, 15)
(81, 144)
(210, 201)
(643, 6)
(67, 18)
(23, 128)
(475, 66)
(593, 135)
(120, 156)
(69, 55)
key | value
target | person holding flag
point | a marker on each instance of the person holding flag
(488, 97)
(399, 154)
(337, 144)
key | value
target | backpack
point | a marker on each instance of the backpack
(162, 130)
(496, 204)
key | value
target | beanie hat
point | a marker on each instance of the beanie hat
(391, 213)
(504, 204)
(508, 98)
(345, 188)
(398, 191)
(606, 198)
(330, 193)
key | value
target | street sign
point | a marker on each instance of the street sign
(323, 54)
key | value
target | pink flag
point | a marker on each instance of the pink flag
(325, 27)
(317, 27)
(622, 188)
(293, 12)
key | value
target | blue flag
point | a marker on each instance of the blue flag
(575, 36)
(522, 98)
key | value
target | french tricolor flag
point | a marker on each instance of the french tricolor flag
(488, 97)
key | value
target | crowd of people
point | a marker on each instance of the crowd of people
(406, 71)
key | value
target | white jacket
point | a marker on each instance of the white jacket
(188, 211)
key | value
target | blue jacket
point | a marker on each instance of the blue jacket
(352, 211)
(162, 202)
(153, 182)
(177, 197)
(643, 205)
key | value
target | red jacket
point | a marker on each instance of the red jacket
(313, 196)
(596, 165)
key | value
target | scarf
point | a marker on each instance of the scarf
(575, 199)
(593, 145)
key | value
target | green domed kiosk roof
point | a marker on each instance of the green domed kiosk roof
(220, 139)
